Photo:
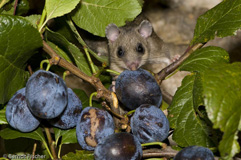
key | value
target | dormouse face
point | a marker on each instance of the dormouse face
(128, 47)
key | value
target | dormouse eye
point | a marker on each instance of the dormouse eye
(140, 48)
(120, 52)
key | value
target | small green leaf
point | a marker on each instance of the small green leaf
(9, 133)
(202, 59)
(69, 136)
(57, 134)
(189, 128)
(81, 155)
(71, 50)
(222, 98)
(19, 40)
(2, 116)
(94, 16)
(57, 8)
(222, 20)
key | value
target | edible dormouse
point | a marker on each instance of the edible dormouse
(136, 45)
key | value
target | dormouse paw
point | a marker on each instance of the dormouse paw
(112, 86)
(175, 58)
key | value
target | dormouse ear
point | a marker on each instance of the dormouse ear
(145, 29)
(112, 32)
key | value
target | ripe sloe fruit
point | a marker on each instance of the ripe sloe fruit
(134, 88)
(149, 124)
(194, 153)
(18, 115)
(69, 117)
(93, 126)
(119, 146)
(46, 94)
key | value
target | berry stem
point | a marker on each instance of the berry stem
(34, 150)
(51, 143)
(43, 16)
(65, 74)
(91, 97)
(130, 112)
(90, 60)
(112, 71)
(42, 63)
(60, 147)
(154, 143)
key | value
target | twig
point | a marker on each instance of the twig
(166, 96)
(51, 143)
(168, 152)
(34, 150)
(172, 67)
(15, 7)
(108, 109)
(30, 70)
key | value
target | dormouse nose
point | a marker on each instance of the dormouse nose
(133, 66)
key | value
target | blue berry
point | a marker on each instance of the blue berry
(194, 153)
(69, 117)
(46, 94)
(119, 146)
(149, 124)
(18, 115)
(93, 126)
(134, 88)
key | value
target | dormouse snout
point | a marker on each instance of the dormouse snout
(133, 66)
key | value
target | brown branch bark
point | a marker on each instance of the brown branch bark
(168, 152)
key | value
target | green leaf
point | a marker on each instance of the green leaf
(82, 96)
(71, 50)
(94, 16)
(81, 155)
(3, 2)
(22, 8)
(59, 51)
(189, 127)
(9, 133)
(33, 19)
(222, 20)
(202, 59)
(222, 97)
(18, 42)
(106, 80)
(57, 8)
(3, 117)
